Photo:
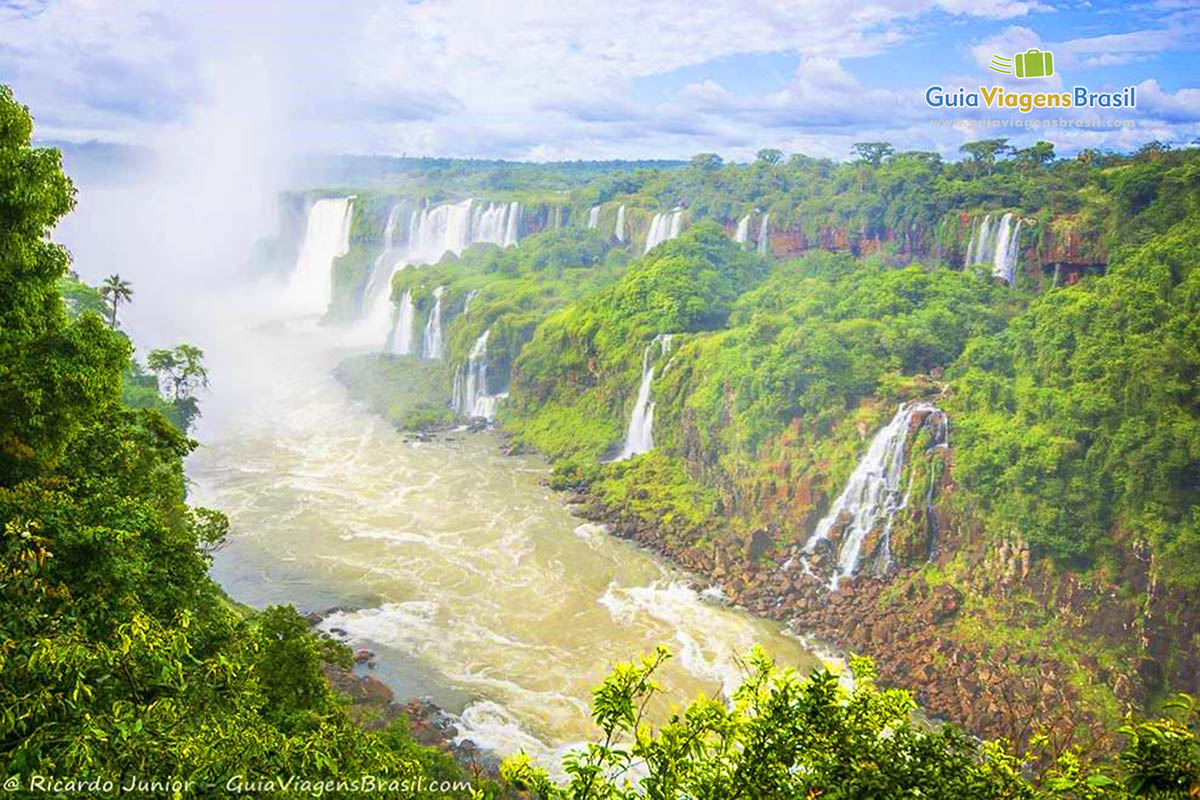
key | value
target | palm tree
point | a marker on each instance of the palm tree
(115, 291)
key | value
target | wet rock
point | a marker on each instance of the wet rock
(362, 655)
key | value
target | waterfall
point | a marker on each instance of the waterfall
(431, 346)
(663, 227)
(980, 240)
(467, 301)
(512, 231)
(1004, 260)
(381, 275)
(743, 230)
(471, 398)
(872, 495)
(594, 217)
(619, 231)
(453, 227)
(326, 236)
(401, 340)
(996, 244)
(639, 436)
(764, 239)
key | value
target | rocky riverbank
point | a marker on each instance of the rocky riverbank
(374, 706)
(906, 624)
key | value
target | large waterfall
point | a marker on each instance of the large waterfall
(471, 398)
(594, 217)
(431, 346)
(619, 230)
(326, 236)
(996, 244)
(743, 230)
(663, 227)
(400, 341)
(639, 436)
(454, 227)
(764, 236)
(872, 496)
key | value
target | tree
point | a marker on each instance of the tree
(872, 153)
(985, 151)
(182, 370)
(783, 736)
(115, 291)
(707, 162)
(769, 155)
(1035, 157)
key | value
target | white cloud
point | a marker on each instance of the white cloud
(472, 77)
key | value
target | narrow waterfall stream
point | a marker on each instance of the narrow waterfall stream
(471, 398)
(873, 494)
(401, 340)
(432, 345)
(764, 236)
(742, 234)
(639, 435)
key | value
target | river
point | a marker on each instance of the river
(472, 581)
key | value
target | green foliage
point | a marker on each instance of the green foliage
(181, 369)
(115, 291)
(119, 656)
(1084, 415)
(787, 737)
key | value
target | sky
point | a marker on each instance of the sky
(564, 79)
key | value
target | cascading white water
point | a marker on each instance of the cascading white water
(326, 236)
(639, 435)
(663, 227)
(619, 230)
(872, 494)
(742, 235)
(467, 301)
(471, 398)
(401, 339)
(498, 223)
(381, 270)
(764, 236)
(453, 227)
(431, 346)
(971, 247)
(433, 232)
(996, 244)
(594, 217)
(1004, 259)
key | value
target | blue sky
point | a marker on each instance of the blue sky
(545, 79)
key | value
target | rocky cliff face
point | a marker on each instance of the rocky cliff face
(1061, 250)
(986, 634)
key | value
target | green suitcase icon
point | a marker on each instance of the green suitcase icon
(1033, 63)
